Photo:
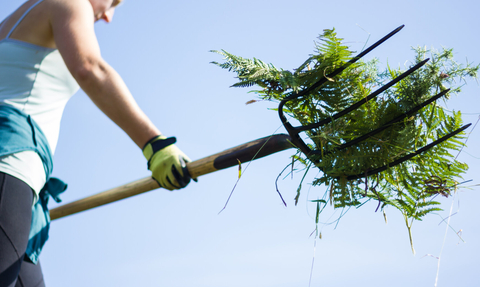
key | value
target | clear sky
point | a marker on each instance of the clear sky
(178, 238)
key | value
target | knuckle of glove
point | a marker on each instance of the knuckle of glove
(168, 167)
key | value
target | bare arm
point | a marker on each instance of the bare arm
(73, 29)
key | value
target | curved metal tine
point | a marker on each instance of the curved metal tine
(386, 125)
(356, 58)
(410, 155)
(339, 70)
(362, 101)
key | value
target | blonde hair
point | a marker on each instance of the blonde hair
(116, 3)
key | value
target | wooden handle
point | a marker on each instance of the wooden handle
(228, 158)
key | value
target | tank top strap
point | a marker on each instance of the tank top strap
(21, 18)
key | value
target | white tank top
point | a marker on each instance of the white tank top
(35, 80)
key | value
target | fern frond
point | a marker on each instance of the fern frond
(409, 187)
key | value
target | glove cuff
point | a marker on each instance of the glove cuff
(155, 144)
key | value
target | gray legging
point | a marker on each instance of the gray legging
(15, 216)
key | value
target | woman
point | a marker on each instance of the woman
(48, 49)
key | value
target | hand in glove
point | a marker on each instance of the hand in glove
(167, 162)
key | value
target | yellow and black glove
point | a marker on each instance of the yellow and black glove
(167, 162)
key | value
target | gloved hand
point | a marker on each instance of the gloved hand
(167, 162)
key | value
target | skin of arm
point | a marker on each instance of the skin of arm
(72, 25)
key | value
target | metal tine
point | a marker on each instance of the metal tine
(386, 125)
(409, 156)
(339, 70)
(362, 101)
(356, 58)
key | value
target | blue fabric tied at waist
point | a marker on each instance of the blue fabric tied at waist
(41, 217)
(19, 132)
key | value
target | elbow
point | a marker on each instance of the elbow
(90, 72)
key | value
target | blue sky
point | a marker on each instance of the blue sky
(178, 238)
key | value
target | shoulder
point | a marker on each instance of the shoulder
(70, 17)
(75, 4)
(69, 8)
